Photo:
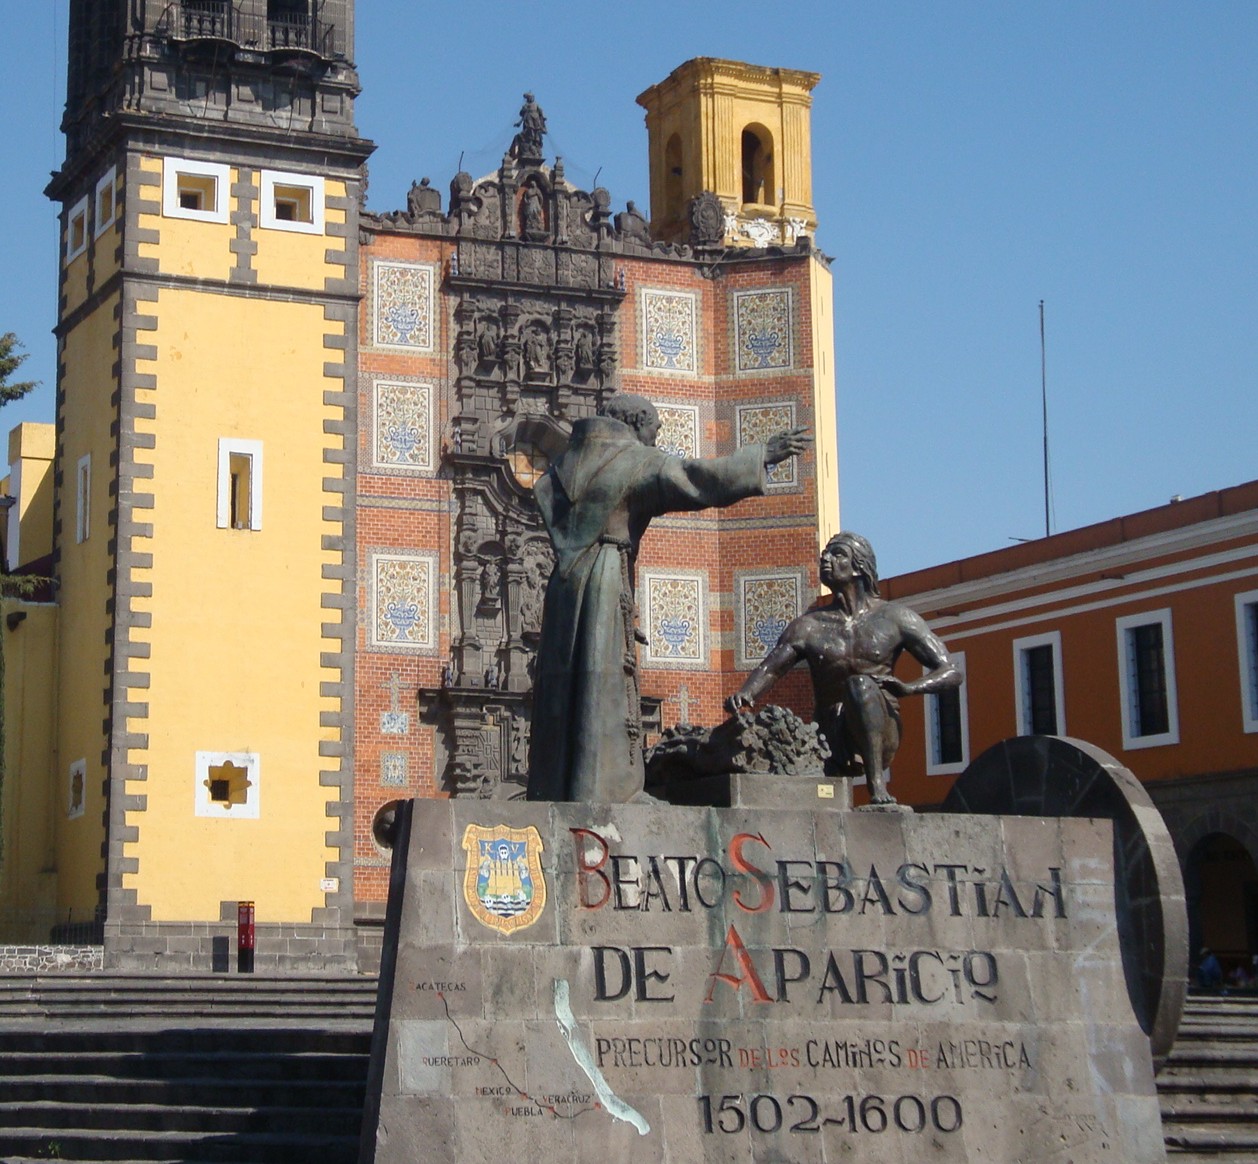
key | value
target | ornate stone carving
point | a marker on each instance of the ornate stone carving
(707, 221)
(773, 740)
(632, 225)
(422, 200)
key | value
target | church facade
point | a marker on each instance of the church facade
(292, 588)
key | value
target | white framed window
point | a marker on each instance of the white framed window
(292, 202)
(239, 484)
(1146, 679)
(76, 229)
(83, 498)
(1247, 651)
(76, 789)
(106, 200)
(227, 785)
(1037, 680)
(195, 190)
(948, 726)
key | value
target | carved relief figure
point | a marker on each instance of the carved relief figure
(585, 352)
(851, 647)
(532, 214)
(596, 501)
(536, 352)
(487, 344)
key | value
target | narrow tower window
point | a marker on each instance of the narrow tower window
(758, 166)
(239, 484)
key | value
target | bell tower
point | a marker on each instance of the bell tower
(203, 520)
(740, 132)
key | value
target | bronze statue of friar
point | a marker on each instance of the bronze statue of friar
(596, 500)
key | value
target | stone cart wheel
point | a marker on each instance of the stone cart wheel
(1055, 776)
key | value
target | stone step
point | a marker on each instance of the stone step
(210, 1090)
(76, 1144)
(92, 1114)
(258, 1065)
(1205, 1137)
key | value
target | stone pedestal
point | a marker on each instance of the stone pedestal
(661, 983)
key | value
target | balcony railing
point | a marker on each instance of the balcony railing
(219, 20)
(200, 19)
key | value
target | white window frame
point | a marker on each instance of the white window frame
(1246, 609)
(1022, 693)
(83, 499)
(73, 811)
(933, 768)
(108, 181)
(172, 168)
(227, 446)
(311, 182)
(207, 806)
(78, 210)
(1124, 628)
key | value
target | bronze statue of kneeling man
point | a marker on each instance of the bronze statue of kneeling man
(851, 647)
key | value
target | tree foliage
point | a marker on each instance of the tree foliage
(12, 357)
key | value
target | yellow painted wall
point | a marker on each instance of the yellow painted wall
(236, 614)
(31, 448)
(293, 259)
(821, 299)
(87, 414)
(199, 249)
(31, 798)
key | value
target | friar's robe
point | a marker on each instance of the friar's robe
(597, 500)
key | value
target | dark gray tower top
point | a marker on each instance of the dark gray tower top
(275, 73)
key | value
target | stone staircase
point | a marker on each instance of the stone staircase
(252, 1069)
(240, 1069)
(1209, 1085)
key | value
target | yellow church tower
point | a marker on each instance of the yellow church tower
(739, 132)
(203, 523)
(730, 149)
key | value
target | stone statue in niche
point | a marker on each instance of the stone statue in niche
(490, 595)
(536, 353)
(532, 215)
(631, 224)
(487, 344)
(527, 146)
(596, 500)
(851, 646)
(585, 352)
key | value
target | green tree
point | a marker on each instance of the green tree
(11, 359)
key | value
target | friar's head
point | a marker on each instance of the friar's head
(635, 411)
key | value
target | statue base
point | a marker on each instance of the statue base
(766, 980)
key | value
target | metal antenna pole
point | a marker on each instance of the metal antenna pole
(1044, 408)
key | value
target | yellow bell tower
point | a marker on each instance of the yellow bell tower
(740, 132)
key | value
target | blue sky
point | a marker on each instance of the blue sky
(970, 159)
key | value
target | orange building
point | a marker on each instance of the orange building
(1139, 635)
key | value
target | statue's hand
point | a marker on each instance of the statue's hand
(892, 684)
(790, 443)
(738, 702)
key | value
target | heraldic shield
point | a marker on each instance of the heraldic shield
(504, 886)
